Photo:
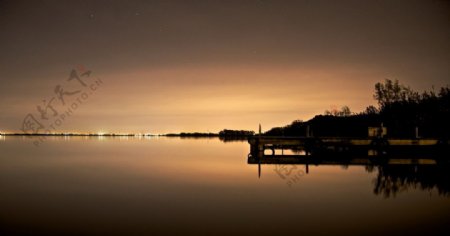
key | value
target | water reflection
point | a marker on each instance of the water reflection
(391, 179)
(173, 186)
(394, 179)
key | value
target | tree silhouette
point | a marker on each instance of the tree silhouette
(401, 110)
(345, 111)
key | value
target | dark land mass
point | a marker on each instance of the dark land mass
(225, 135)
(403, 112)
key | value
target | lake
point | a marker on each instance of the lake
(167, 186)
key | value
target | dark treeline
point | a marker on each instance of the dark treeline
(195, 134)
(235, 133)
(404, 112)
(226, 133)
(403, 109)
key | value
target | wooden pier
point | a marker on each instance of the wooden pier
(344, 147)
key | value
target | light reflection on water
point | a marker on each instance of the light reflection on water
(132, 186)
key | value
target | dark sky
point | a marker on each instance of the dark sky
(207, 65)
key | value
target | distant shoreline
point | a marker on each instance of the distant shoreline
(70, 134)
(223, 133)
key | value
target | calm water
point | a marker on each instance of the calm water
(166, 186)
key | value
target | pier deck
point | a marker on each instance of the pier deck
(320, 146)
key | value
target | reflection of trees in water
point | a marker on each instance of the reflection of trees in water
(393, 179)
(227, 139)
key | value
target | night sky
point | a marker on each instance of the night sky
(173, 66)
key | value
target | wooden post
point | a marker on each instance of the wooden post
(259, 130)
(260, 150)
